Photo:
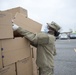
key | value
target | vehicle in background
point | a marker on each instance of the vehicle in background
(72, 36)
(63, 36)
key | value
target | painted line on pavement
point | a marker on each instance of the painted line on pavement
(75, 49)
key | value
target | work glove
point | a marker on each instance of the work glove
(15, 27)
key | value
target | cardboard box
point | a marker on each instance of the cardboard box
(27, 23)
(25, 67)
(33, 52)
(35, 68)
(34, 55)
(0, 57)
(8, 70)
(14, 50)
(5, 25)
(17, 9)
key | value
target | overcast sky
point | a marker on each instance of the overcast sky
(63, 12)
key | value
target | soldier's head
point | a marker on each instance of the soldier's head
(53, 28)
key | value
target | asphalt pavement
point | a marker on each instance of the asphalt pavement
(65, 60)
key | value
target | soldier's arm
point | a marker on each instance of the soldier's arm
(29, 35)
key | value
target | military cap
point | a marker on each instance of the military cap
(54, 25)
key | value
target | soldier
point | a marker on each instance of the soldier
(45, 43)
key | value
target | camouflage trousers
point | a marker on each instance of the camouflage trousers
(46, 71)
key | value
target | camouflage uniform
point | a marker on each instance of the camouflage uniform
(45, 49)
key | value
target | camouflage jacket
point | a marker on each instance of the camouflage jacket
(45, 44)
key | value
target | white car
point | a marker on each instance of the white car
(72, 36)
(63, 36)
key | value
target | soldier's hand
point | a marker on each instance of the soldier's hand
(15, 27)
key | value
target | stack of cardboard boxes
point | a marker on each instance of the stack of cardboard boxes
(15, 52)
